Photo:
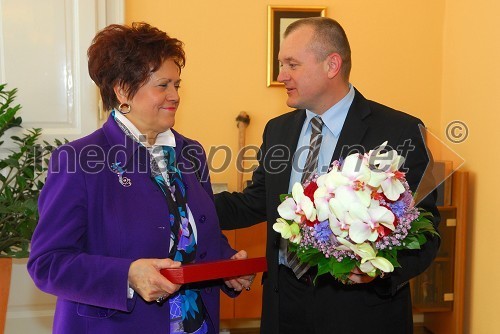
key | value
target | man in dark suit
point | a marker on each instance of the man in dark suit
(315, 65)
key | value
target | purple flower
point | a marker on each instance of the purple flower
(407, 197)
(323, 231)
(398, 208)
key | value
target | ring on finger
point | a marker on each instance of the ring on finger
(161, 299)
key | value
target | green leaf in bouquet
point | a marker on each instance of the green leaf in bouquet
(423, 225)
(311, 256)
(421, 238)
(292, 247)
(428, 229)
(418, 225)
(424, 213)
(391, 255)
(412, 242)
(284, 196)
(339, 270)
(342, 267)
(323, 268)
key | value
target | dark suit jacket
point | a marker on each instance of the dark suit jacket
(92, 228)
(382, 306)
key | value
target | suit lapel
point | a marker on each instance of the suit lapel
(290, 138)
(293, 128)
(354, 127)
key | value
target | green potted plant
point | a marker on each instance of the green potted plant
(23, 163)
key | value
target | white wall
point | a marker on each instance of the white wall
(43, 53)
(29, 310)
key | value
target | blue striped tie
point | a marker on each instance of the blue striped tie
(300, 268)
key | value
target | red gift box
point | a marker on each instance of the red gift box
(213, 270)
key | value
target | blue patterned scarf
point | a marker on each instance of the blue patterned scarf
(187, 312)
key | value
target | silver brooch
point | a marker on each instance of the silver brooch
(124, 181)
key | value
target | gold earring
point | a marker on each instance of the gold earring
(125, 106)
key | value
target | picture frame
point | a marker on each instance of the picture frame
(278, 19)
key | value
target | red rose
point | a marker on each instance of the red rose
(382, 231)
(310, 189)
(396, 221)
(379, 196)
(311, 223)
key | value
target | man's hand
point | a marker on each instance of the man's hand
(358, 277)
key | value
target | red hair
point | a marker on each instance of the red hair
(127, 56)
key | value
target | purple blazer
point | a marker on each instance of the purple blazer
(92, 228)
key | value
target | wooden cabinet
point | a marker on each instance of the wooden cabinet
(438, 293)
(248, 305)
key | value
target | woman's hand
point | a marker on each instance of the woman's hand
(241, 282)
(145, 278)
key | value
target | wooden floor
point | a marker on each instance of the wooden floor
(421, 330)
(251, 326)
(241, 331)
(240, 326)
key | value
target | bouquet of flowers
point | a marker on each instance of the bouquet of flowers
(361, 213)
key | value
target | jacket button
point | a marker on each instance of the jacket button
(276, 288)
(202, 255)
(202, 219)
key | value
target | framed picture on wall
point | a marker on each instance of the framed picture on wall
(278, 19)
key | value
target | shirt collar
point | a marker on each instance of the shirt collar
(166, 138)
(334, 117)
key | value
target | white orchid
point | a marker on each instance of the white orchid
(298, 206)
(385, 173)
(357, 172)
(345, 207)
(355, 169)
(347, 184)
(288, 231)
(370, 262)
(364, 222)
(327, 184)
(338, 227)
(322, 196)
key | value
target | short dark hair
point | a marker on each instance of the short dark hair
(127, 56)
(329, 37)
